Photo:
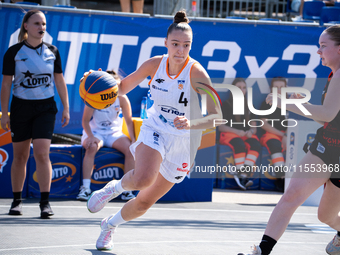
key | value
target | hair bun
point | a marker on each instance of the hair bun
(181, 16)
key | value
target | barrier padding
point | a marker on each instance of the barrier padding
(225, 179)
(66, 172)
(108, 166)
(6, 158)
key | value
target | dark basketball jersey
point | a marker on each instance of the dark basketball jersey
(330, 131)
(33, 70)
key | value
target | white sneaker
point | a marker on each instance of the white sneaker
(101, 197)
(297, 19)
(105, 239)
(127, 195)
(256, 250)
(238, 182)
(333, 248)
(84, 193)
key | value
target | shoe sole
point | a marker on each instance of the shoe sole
(87, 204)
(104, 249)
(15, 213)
(82, 198)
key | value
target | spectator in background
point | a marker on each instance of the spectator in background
(34, 65)
(297, 6)
(240, 137)
(104, 128)
(275, 137)
(137, 5)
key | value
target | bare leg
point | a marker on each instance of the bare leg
(137, 6)
(123, 144)
(145, 172)
(21, 151)
(41, 151)
(301, 186)
(125, 5)
(146, 198)
(329, 206)
(88, 160)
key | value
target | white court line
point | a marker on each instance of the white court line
(154, 242)
(320, 228)
(169, 209)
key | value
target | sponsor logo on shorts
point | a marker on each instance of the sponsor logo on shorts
(155, 138)
(320, 148)
(183, 169)
(3, 159)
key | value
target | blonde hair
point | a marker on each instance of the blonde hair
(23, 32)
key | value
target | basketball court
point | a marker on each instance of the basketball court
(230, 224)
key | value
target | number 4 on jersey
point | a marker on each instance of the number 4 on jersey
(183, 100)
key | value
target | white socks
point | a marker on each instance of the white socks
(118, 187)
(117, 219)
(87, 183)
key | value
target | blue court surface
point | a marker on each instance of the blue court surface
(230, 224)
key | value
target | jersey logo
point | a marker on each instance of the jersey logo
(23, 59)
(171, 110)
(158, 88)
(35, 80)
(3, 159)
(159, 80)
(181, 84)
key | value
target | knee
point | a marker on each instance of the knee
(141, 182)
(42, 156)
(292, 198)
(92, 149)
(325, 217)
(143, 204)
(20, 158)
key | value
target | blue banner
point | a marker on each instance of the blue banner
(252, 50)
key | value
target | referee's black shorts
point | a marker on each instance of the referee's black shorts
(32, 119)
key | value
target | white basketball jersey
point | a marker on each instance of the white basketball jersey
(107, 121)
(172, 96)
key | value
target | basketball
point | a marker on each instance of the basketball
(98, 89)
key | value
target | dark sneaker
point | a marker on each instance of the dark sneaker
(45, 211)
(246, 182)
(16, 208)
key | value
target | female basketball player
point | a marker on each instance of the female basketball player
(169, 138)
(323, 152)
(104, 128)
(34, 65)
